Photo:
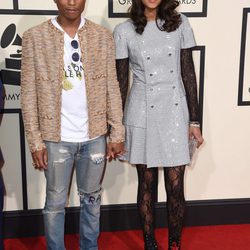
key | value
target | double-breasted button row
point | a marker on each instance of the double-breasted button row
(152, 106)
(151, 89)
(148, 58)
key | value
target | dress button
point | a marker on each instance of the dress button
(152, 106)
(151, 74)
(171, 71)
(173, 87)
(148, 57)
(176, 104)
(170, 54)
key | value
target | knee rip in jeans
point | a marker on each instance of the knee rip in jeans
(46, 211)
(91, 198)
(97, 158)
(61, 160)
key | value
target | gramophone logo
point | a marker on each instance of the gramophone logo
(11, 72)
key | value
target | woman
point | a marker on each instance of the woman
(161, 113)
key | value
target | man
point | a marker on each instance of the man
(69, 96)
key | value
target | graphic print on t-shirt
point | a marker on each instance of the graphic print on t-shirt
(71, 71)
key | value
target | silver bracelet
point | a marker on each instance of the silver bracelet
(194, 124)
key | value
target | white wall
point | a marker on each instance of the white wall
(222, 165)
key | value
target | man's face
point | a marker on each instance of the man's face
(70, 9)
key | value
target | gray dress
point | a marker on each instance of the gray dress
(156, 114)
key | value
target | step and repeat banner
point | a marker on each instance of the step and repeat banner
(222, 62)
(192, 8)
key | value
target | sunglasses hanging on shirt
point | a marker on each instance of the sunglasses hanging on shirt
(75, 56)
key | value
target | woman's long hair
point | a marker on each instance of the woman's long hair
(165, 12)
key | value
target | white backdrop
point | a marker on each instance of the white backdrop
(222, 166)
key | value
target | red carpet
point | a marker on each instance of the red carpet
(233, 237)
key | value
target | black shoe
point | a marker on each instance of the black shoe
(150, 242)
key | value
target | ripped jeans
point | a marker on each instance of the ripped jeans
(89, 160)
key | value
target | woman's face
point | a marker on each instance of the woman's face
(151, 4)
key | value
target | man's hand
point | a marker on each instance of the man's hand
(114, 149)
(40, 159)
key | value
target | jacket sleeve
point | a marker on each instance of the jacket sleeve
(29, 94)
(114, 102)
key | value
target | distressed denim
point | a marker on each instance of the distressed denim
(89, 161)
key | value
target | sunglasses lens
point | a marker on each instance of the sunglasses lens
(75, 57)
(74, 44)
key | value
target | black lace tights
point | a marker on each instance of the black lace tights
(176, 202)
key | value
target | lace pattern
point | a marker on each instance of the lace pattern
(122, 69)
(147, 183)
(190, 84)
(176, 202)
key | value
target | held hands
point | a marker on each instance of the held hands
(40, 159)
(114, 149)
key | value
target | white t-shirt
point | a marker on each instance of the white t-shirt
(74, 111)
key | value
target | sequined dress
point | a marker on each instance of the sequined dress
(156, 115)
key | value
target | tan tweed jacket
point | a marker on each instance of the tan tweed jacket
(41, 78)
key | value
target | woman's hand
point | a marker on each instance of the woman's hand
(195, 132)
